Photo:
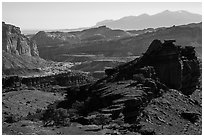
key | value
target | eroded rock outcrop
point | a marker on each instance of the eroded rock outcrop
(140, 92)
(16, 43)
(44, 82)
(19, 54)
(175, 66)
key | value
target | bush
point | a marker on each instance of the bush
(35, 116)
(11, 118)
(57, 117)
(101, 119)
(79, 107)
(139, 78)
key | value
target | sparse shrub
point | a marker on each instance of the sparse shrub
(58, 117)
(101, 119)
(139, 78)
(11, 118)
(35, 116)
(73, 113)
(79, 107)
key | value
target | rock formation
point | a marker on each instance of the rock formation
(174, 65)
(19, 53)
(142, 92)
(16, 43)
(43, 82)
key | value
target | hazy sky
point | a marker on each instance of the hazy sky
(73, 15)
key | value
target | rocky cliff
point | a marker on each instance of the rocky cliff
(19, 52)
(16, 43)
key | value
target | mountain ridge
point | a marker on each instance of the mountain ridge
(162, 19)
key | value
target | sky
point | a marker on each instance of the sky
(67, 15)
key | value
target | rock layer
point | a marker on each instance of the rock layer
(44, 82)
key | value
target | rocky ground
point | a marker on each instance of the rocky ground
(170, 112)
(16, 105)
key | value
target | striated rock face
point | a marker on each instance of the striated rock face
(44, 82)
(19, 54)
(16, 43)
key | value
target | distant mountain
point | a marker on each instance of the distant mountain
(19, 53)
(34, 31)
(164, 19)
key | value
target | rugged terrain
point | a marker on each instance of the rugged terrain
(103, 47)
(127, 43)
(157, 93)
(144, 97)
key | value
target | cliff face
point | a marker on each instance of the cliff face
(19, 53)
(16, 43)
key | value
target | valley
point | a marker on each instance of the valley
(104, 80)
(116, 47)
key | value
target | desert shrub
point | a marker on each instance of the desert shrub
(73, 113)
(31, 88)
(38, 115)
(11, 118)
(58, 117)
(101, 119)
(79, 107)
(139, 78)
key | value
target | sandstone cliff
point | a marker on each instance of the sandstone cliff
(16, 43)
(19, 53)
